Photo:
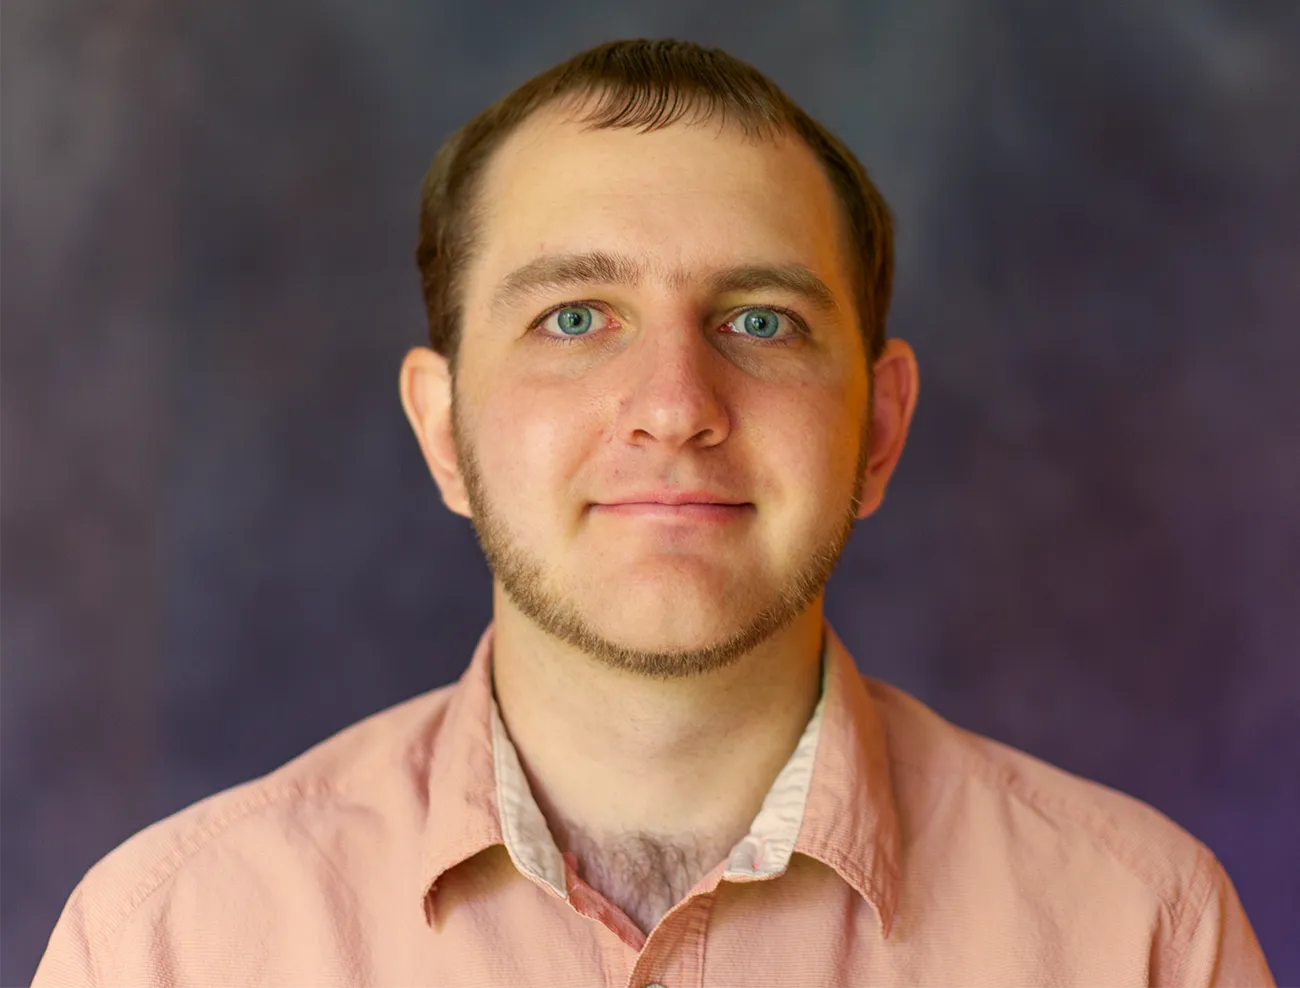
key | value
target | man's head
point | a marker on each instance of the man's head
(646, 269)
(641, 85)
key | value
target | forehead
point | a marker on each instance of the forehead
(686, 198)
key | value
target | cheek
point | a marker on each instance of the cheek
(807, 443)
(530, 447)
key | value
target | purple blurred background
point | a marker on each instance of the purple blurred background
(221, 545)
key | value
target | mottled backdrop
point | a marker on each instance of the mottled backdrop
(221, 544)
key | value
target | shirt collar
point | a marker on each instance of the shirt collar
(832, 801)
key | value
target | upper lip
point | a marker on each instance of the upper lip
(675, 497)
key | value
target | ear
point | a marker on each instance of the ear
(896, 383)
(425, 386)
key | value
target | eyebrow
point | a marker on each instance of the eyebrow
(602, 267)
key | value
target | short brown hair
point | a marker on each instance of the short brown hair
(646, 84)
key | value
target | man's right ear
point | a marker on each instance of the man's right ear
(425, 387)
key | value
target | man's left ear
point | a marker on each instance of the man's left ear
(896, 383)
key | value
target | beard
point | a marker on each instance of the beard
(528, 581)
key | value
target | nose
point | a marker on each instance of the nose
(674, 393)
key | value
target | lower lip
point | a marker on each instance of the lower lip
(714, 514)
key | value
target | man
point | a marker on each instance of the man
(660, 389)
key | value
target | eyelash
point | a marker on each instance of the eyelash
(801, 329)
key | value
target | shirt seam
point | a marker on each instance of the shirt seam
(97, 958)
(194, 839)
(1183, 931)
(1008, 780)
(96, 943)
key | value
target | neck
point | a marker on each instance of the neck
(608, 753)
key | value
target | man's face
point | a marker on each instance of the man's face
(665, 375)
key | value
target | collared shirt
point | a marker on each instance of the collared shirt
(893, 848)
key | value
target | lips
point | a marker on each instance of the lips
(675, 496)
(691, 513)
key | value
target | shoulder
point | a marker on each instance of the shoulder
(1044, 810)
(371, 774)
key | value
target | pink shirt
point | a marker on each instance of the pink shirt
(893, 848)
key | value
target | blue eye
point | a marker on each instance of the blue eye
(573, 320)
(763, 323)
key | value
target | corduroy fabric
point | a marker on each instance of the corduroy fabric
(893, 848)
